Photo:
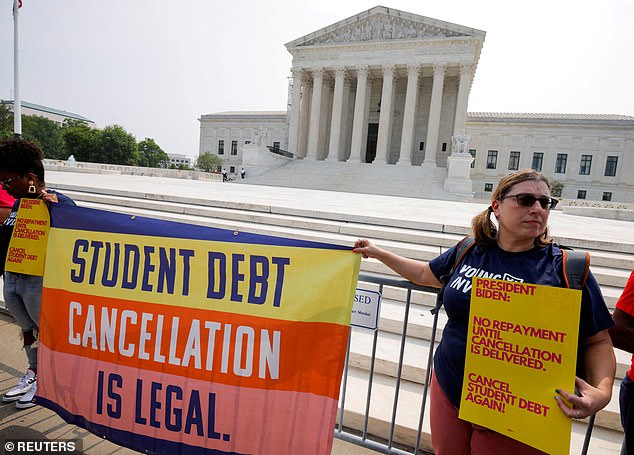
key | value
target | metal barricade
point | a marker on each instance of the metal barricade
(387, 446)
(363, 440)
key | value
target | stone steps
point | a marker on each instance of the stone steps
(420, 242)
(379, 227)
(386, 179)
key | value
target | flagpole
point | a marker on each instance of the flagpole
(17, 101)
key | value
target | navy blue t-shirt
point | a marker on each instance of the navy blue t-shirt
(541, 265)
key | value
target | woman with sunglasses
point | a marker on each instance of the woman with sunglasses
(519, 247)
(22, 176)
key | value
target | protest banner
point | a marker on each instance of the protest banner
(27, 247)
(170, 338)
(521, 346)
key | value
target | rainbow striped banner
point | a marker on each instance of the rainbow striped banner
(168, 338)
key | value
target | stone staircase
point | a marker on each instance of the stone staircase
(387, 179)
(420, 240)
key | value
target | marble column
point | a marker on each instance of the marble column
(336, 126)
(466, 76)
(315, 113)
(359, 120)
(304, 113)
(431, 144)
(346, 121)
(293, 124)
(409, 115)
(385, 117)
(324, 119)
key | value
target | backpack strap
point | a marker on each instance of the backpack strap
(461, 250)
(576, 265)
(463, 247)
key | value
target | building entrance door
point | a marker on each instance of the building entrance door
(370, 150)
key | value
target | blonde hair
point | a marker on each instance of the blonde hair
(484, 230)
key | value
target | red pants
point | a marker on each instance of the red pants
(453, 436)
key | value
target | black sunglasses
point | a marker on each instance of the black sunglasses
(527, 200)
(6, 182)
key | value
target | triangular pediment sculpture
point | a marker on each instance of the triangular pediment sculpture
(382, 24)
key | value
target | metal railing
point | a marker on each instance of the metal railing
(363, 438)
(279, 151)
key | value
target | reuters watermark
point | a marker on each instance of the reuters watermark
(42, 447)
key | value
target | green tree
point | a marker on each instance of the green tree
(556, 187)
(116, 146)
(46, 134)
(40, 130)
(79, 139)
(150, 154)
(6, 121)
(209, 162)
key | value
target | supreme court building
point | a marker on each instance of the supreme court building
(390, 89)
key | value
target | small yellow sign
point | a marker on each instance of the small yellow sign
(521, 346)
(27, 248)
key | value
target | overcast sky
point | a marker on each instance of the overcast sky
(155, 66)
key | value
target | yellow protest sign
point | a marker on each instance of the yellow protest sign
(27, 248)
(521, 346)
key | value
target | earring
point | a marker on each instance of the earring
(32, 189)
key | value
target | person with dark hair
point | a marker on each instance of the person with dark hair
(516, 244)
(22, 176)
(623, 338)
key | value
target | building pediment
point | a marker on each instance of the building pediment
(384, 24)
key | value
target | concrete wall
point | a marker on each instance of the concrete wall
(98, 168)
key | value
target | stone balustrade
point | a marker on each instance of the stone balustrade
(101, 168)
